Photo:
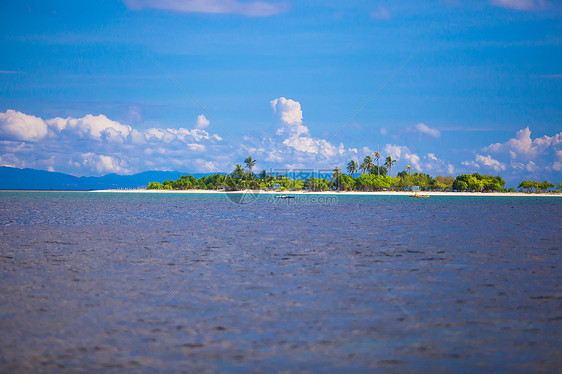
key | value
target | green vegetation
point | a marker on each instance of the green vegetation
(476, 183)
(372, 178)
(533, 186)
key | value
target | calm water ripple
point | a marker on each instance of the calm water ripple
(193, 282)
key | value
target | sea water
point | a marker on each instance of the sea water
(199, 283)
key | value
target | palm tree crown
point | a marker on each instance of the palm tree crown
(377, 158)
(352, 167)
(368, 161)
(336, 173)
(389, 163)
(250, 163)
(363, 167)
(238, 171)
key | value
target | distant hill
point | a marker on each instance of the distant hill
(31, 179)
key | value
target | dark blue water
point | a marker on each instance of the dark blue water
(196, 283)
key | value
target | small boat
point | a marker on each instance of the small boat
(285, 197)
(416, 195)
(416, 189)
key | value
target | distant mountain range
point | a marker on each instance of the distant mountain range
(31, 179)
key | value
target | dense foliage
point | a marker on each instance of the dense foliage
(371, 178)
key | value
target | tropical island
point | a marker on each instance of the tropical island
(364, 177)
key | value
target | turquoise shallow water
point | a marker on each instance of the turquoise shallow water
(195, 282)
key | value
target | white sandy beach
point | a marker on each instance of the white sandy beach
(351, 193)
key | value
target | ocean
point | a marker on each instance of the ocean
(97, 282)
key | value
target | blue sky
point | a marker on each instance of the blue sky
(94, 87)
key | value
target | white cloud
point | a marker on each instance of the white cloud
(434, 165)
(490, 162)
(159, 135)
(207, 166)
(196, 147)
(520, 4)
(290, 113)
(202, 121)
(470, 163)
(94, 145)
(103, 164)
(246, 8)
(11, 160)
(414, 160)
(485, 162)
(524, 146)
(19, 126)
(293, 144)
(94, 127)
(399, 152)
(298, 135)
(395, 151)
(424, 129)
(526, 154)
(530, 166)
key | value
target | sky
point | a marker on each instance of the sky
(125, 86)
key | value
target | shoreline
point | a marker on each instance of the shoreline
(332, 193)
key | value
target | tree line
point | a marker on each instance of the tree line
(360, 177)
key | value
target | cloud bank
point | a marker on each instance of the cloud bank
(522, 154)
(98, 145)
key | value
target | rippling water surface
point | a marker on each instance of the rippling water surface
(197, 283)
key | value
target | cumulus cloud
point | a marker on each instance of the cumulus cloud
(524, 146)
(431, 156)
(424, 129)
(490, 162)
(485, 162)
(93, 127)
(428, 163)
(398, 153)
(290, 113)
(520, 4)
(96, 145)
(434, 165)
(525, 153)
(202, 121)
(103, 164)
(246, 8)
(297, 135)
(450, 169)
(529, 166)
(19, 126)
(293, 145)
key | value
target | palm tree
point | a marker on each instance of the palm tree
(389, 163)
(377, 157)
(409, 167)
(368, 163)
(238, 171)
(352, 167)
(250, 163)
(336, 173)
(263, 175)
(362, 167)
